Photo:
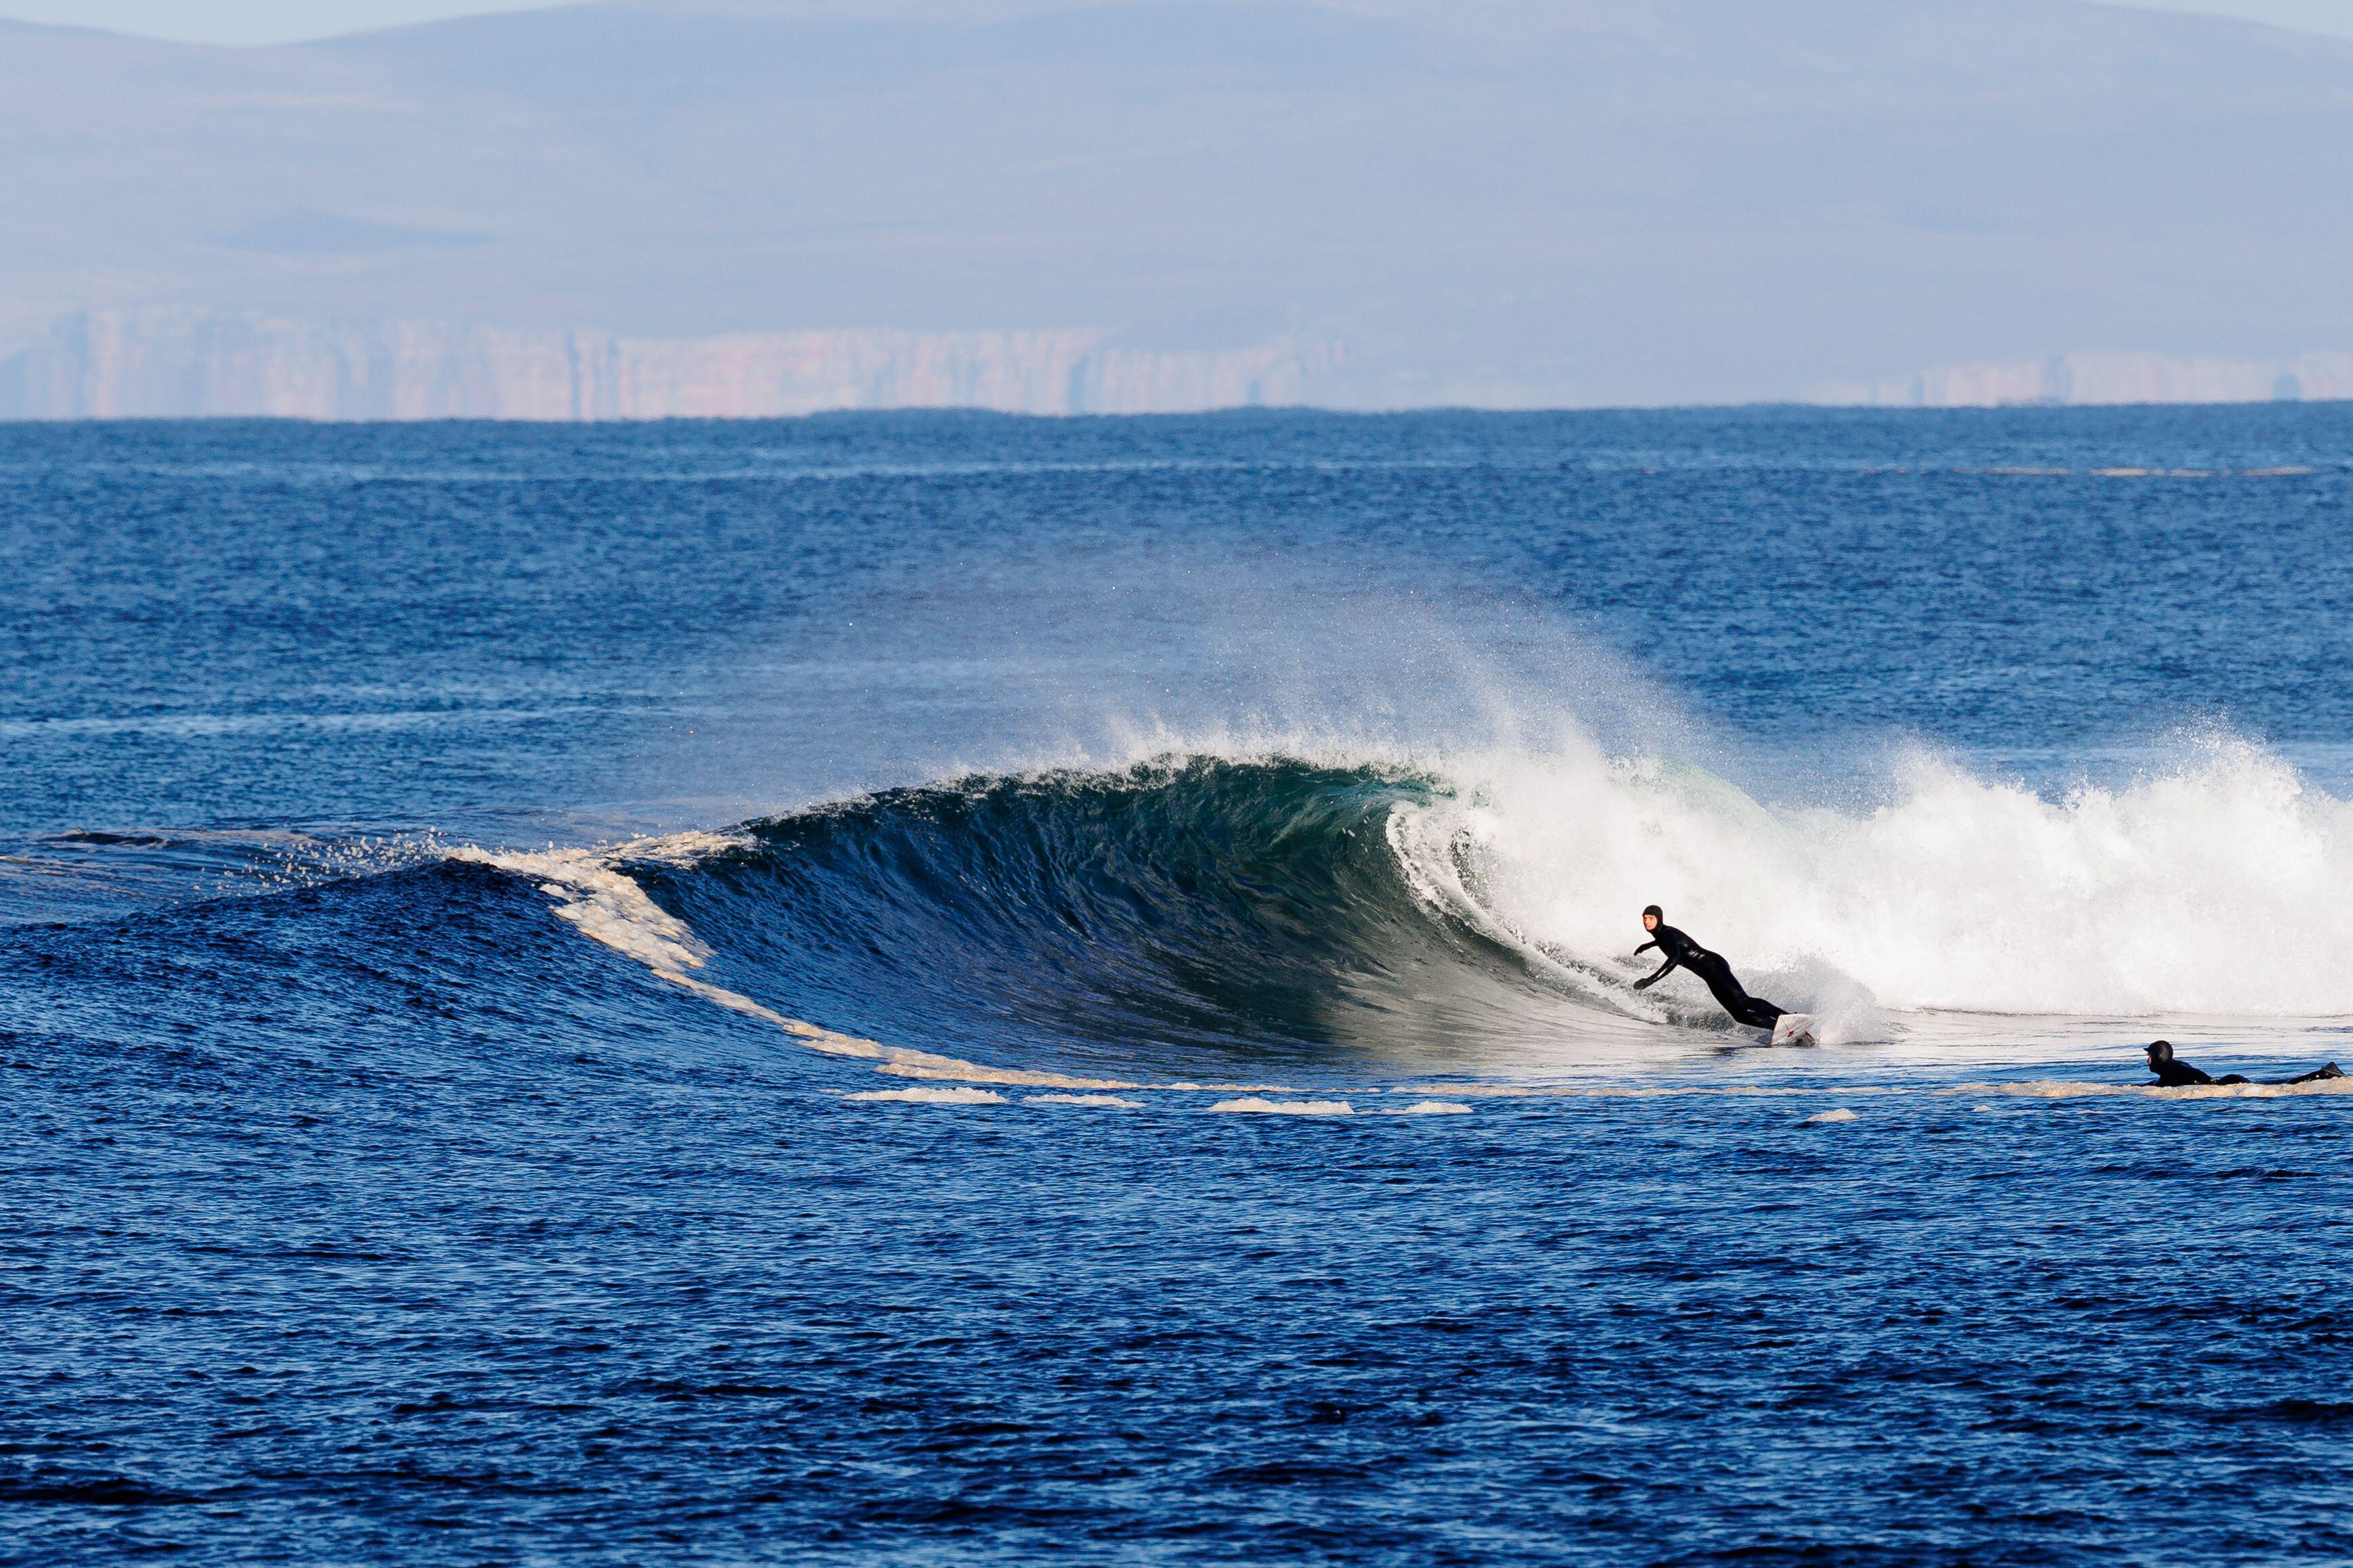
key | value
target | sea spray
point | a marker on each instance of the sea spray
(2220, 882)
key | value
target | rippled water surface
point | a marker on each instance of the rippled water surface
(933, 988)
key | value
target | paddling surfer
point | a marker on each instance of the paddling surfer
(2172, 1072)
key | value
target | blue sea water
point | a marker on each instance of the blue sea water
(939, 988)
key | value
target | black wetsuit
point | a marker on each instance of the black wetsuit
(2174, 1073)
(1681, 951)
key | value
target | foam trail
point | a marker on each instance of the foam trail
(610, 907)
(933, 1096)
(2071, 1088)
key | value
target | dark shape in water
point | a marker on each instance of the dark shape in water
(1681, 952)
(2173, 1073)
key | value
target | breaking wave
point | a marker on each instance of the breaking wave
(1479, 912)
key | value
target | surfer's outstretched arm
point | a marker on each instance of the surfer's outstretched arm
(1646, 983)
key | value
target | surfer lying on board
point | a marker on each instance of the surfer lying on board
(1681, 951)
(2173, 1073)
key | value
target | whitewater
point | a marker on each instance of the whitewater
(2217, 882)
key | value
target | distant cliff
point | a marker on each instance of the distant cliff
(1495, 203)
(167, 362)
(2109, 378)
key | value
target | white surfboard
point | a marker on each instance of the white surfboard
(1793, 1029)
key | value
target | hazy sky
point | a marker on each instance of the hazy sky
(275, 21)
(250, 21)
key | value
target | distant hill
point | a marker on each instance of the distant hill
(1507, 202)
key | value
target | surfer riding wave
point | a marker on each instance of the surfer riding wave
(1682, 952)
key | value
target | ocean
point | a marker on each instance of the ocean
(936, 988)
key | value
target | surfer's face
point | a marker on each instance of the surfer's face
(1650, 922)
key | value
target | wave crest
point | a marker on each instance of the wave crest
(1476, 915)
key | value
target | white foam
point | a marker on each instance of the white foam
(923, 1064)
(1108, 1102)
(2220, 884)
(925, 1095)
(1251, 1104)
(2069, 1089)
(605, 905)
(1841, 1114)
(1432, 1108)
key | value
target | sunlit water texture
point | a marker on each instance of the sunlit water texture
(943, 989)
